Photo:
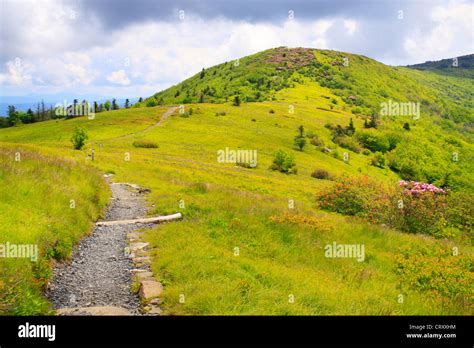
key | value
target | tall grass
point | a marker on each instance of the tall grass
(48, 202)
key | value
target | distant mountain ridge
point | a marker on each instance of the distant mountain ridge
(457, 66)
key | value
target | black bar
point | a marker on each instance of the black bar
(242, 330)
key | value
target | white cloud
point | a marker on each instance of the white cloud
(451, 34)
(16, 73)
(119, 77)
(351, 26)
(63, 48)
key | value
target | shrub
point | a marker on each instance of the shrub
(246, 165)
(284, 163)
(272, 111)
(460, 210)
(374, 142)
(423, 213)
(145, 144)
(437, 273)
(329, 126)
(79, 138)
(316, 141)
(349, 196)
(321, 174)
(347, 143)
(300, 143)
(378, 160)
(356, 110)
(393, 140)
(415, 207)
(151, 102)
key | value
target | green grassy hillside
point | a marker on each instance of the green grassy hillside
(46, 201)
(253, 239)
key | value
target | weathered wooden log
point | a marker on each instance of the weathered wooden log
(153, 220)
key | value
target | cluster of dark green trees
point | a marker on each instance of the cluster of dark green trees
(44, 113)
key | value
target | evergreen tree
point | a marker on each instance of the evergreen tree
(301, 131)
(366, 124)
(350, 130)
(236, 101)
(114, 104)
(373, 121)
(13, 116)
(74, 112)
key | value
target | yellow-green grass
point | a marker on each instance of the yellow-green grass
(228, 207)
(45, 201)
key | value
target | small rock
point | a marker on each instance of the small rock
(144, 260)
(138, 246)
(144, 275)
(150, 289)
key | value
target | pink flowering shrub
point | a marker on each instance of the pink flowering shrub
(415, 187)
(421, 208)
(413, 207)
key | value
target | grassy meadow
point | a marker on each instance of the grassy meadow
(252, 239)
(46, 201)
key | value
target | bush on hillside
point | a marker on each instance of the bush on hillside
(412, 207)
(349, 196)
(321, 174)
(284, 163)
(316, 141)
(79, 138)
(151, 102)
(347, 142)
(145, 144)
(378, 160)
(300, 143)
(373, 141)
(437, 273)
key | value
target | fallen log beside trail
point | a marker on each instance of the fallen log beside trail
(152, 220)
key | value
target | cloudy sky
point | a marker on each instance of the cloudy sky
(119, 48)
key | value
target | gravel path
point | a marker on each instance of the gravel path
(99, 272)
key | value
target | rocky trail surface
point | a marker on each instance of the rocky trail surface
(98, 279)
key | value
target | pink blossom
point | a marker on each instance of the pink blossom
(415, 187)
